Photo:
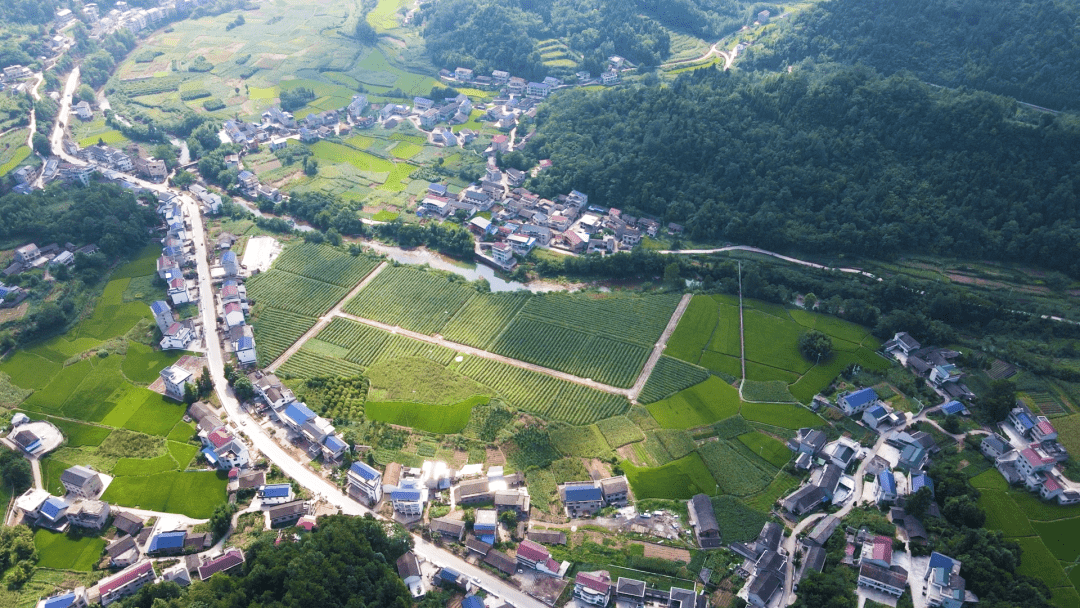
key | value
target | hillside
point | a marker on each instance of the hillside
(827, 159)
(1026, 49)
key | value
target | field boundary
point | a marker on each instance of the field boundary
(658, 348)
(325, 319)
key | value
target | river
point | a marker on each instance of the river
(471, 272)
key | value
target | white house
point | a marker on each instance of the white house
(178, 291)
(177, 337)
(857, 401)
(83, 111)
(175, 378)
(365, 481)
(234, 315)
(245, 350)
(126, 582)
(163, 315)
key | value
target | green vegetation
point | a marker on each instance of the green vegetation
(737, 522)
(397, 380)
(194, 494)
(483, 318)
(736, 473)
(419, 300)
(583, 441)
(699, 405)
(62, 552)
(781, 415)
(669, 377)
(775, 452)
(619, 431)
(443, 419)
(680, 479)
(324, 263)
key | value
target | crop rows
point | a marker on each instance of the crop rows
(294, 293)
(367, 345)
(414, 299)
(544, 395)
(480, 321)
(324, 263)
(669, 377)
(571, 351)
(735, 473)
(308, 364)
(149, 86)
(277, 330)
(636, 319)
(398, 346)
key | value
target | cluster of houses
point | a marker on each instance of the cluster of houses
(827, 463)
(177, 251)
(307, 430)
(31, 257)
(933, 364)
(109, 158)
(1027, 453)
(501, 80)
(79, 507)
(234, 306)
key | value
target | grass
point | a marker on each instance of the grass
(79, 435)
(1003, 514)
(1039, 562)
(583, 441)
(20, 155)
(397, 380)
(781, 414)
(670, 376)
(1060, 537)
(735, 473)
(678, 480)
(194, 494)
(1068, 428)
(702, 404)
(695, 329)
(737, 522)
(771, 391)
(619, 431)
(443, 419)
(62, 552)
(142, 364)
(775, 452)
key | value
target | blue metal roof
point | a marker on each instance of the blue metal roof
(229, 283)
(887, 481)
(877, 411)
(488, 538)
(52, 506)
(279, 490)
(1025, 421)
(920, 481)
(245, 343)
(299, 413)
(483, 527)
(210, 456)
(364, 471)
(409, 495)
(159, 307)
(937, 560)
(472, 602)
(60, 601)
(167, 540)
(228, 257)
(333, 443)
(448, 574)
(583, 493)
(953, 407)
(861, 397)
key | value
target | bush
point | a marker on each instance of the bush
(211, 105)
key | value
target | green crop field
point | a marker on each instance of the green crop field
(276, 330)
(737, 522)
(1068, 428)
(678, 480)
(326, 264)
(422, 380)
(61, 552)
(669, 377)
(294, 293)
(775, 452)
(441, 419)
(734, 472)
(142, 364)
(783, 415)
(702, 404)
(772, 391)
(583, 441)
(13, 161)
(1060, 537)
(695, 329)
(414, 299)
(1039, 563)
(1003, 514)
(677, 443)
(483, 318)
(607, 314)
(308, 364)
(619, 431)
(191, 494)
(542, 394)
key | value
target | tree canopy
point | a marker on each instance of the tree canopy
(829, 159)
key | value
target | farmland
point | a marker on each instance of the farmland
(61, 552)
(294, 293)
(708, 335)
(326, 264)
(92, 374)
(441, 419)
(418, 300)
(702, 404)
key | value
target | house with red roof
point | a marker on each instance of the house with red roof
(178, 292)
(126, 582)
(227, 561)
(593, 587)
(1044, 430)
(535, 556)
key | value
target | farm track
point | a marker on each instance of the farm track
(476, 352)
(325, 319)
(658, 349)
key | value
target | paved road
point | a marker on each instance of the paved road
(35, 467)
(658, 349)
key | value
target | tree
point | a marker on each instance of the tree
(221, 520)
(810, 301)
(918, 503)
(509, 518)
(205, 383)
(182, 179)
(191, 393)
(41, 144)
(962, 511)
(671, 274)
(1000, 400)
(815, 345)
(243, 388)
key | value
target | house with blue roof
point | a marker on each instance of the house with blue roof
(876, 416)
(276, 494)
(920, 481)
(297, 414)
(953, 407)
(230, 264)
(472, 602)
(857, 401)
(333, 447)
(71, 599)
(1022, 419)
(365, 483)
(409, 501)
(581, 499)
(486, 525)
(244, 348)
(944, 585)
(886, 491)
(167, 543)
(53, 514)
(448, 577)
(163, 315)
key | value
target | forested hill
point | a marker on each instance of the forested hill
(506, 34)
(1027, 49)
(28, 11)
(826, 159)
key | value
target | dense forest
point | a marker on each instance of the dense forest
(1027, 49)
(28, 11)
(505, 34)
(104, 214)
(826, 159)
(348, 562)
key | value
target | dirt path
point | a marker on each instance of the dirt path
(35, 466)
(476, 352)
(325, 319)
(661, 344)
(742, 335)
